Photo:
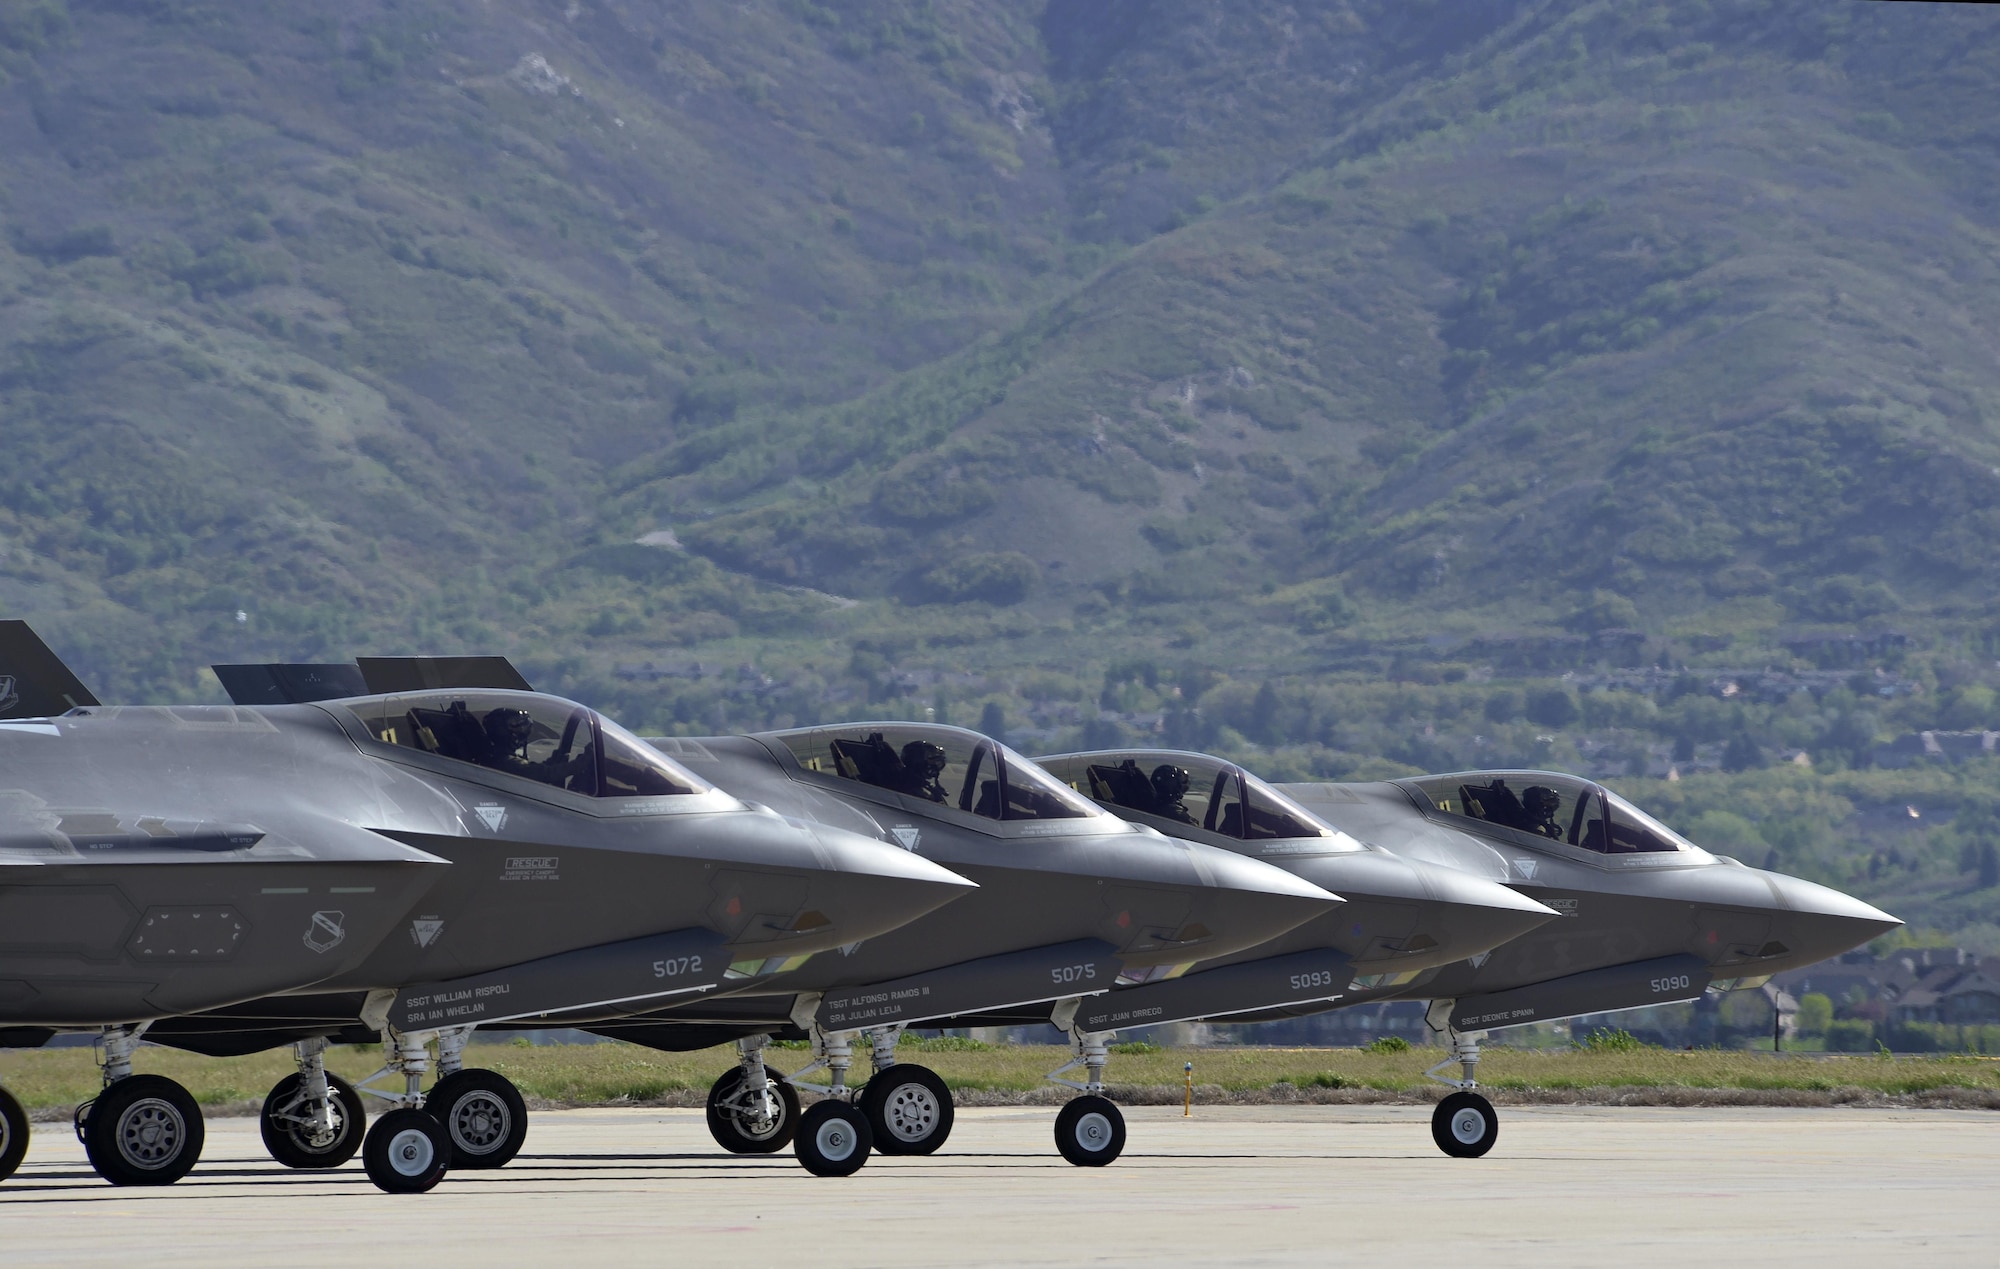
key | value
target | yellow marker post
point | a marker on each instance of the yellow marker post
(1187, 1106)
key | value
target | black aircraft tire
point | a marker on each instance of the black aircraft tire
(1464, 1125)
(144, 1130)
(908, 1108)
(834, 1139)
(733, 1134)
(293, 1145)
(13, 1134)
(485, 1115)
(1090, 1131)
(406, 1152)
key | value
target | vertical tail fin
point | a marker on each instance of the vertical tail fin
(34, 683)
(429, 674)
(280, 684)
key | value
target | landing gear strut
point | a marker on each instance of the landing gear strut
(834, 1138)
(907, 1106)
(142, 1129)
(482, 1110)
(312, 1119)
(749, 1110)
(1090, 1130)
(1464, 1124)
(407, 1151)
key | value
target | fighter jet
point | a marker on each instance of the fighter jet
(1647, 917)
(1072, 900)
(410, 865)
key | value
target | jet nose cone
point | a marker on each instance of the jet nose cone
(868, 887)
(1457, 915)
(1474, 915)
(1252, 902)
(1821, 922)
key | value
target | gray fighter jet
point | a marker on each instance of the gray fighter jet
(1648, 917)
(408, 865)
(1071, 898)
(1071, 901)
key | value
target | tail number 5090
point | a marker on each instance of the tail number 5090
(1673, 982)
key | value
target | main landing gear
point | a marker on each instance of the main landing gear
(749, 1112)
(312, 1119)
(13, 1134)
(142, 1129)
(1090, 1130)
(1464, 1124)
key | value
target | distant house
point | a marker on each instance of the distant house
(1936, 746)
(1964, 996)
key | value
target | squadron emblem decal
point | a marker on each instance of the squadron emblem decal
(1526, 867)
(326, 931)
(909, 835)
(492, 815)
(425, 930)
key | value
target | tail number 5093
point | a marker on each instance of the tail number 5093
(1318, 978)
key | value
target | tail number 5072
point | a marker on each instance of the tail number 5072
(675, 966)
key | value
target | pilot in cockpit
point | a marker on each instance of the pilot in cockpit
(508, 732)
(1540, 802)
(923, 763)
(1170, 785)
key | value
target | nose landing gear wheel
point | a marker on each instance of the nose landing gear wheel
(13, 1134)
(908, 1108)
(834, 1139)
(291, 1133)
(1090, 1131)
(736, 1130)
(1464, 1125)
(143, 1130)
(406, 1152)
(484, 1113)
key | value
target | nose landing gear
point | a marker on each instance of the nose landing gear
(1090, 1130)
(1464, 1124)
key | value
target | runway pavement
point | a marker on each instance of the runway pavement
(1234, 1185)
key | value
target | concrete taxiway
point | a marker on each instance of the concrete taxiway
(1237, 1185)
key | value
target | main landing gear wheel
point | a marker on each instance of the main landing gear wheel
(484, 1113)
(143, 1130)
(13, 1134)
(736, 1130)
(1090, 1131)
(908, 1109)
(1464, 1125)
(406, 1152)
(294, 1137)
(834, 1139)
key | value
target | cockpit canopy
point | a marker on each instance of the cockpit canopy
(1191, 789)
(541, 738)
(1546, 807)
(941, 765)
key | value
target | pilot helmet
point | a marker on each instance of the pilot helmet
(509, 729)
(1540, 800)
(924, 757)
(1170, 782)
